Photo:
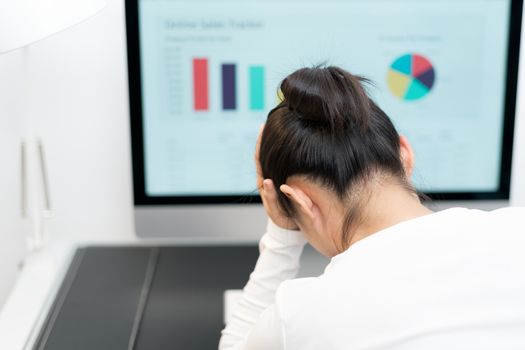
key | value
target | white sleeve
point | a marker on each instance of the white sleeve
(254, 321)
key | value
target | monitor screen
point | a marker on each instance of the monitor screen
(205, 73)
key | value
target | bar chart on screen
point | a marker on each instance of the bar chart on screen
(228, 85)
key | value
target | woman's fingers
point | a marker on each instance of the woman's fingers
(271, 204)
(269, 191)
(269, 194)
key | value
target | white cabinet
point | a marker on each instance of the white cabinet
(13, 228)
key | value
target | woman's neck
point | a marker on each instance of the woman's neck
(388, 205)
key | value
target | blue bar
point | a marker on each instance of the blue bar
(229, 96)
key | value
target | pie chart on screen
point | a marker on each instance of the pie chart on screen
(411, 77)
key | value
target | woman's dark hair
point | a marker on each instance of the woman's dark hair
(327, 129)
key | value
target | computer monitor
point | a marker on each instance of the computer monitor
(203, 75)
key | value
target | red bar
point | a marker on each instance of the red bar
(200, 84)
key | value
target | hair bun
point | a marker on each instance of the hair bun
(327, 96)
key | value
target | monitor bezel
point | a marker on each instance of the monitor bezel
(137, 136)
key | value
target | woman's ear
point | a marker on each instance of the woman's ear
(407, 156)
(300, 199)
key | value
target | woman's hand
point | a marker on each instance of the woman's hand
(269, 194)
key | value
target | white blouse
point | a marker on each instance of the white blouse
(450, 280)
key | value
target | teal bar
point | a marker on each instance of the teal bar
(256, 88)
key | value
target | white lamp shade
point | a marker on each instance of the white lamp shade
(23, 22)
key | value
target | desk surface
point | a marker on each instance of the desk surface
(181, 288)
(98, 304)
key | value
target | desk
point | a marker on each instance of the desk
(96, 305)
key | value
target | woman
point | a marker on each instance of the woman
(333, 171)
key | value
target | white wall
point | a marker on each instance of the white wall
(78, 105)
